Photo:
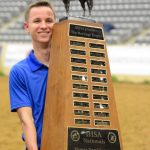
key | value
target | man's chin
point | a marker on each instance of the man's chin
(44, 40)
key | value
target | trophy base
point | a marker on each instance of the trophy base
(85, 19)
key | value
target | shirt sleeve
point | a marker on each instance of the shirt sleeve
(18, 90)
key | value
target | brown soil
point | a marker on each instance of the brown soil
(133, 103)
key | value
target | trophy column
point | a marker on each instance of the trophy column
(80, 109)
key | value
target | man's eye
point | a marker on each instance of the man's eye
(50, 20)
(36, 21)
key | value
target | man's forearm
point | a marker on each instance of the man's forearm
(29, 130)
(30, 136)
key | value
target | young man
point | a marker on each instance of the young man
(28, 78)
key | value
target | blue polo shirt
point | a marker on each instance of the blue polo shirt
(27, 87)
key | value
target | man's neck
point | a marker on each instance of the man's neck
(42, 53)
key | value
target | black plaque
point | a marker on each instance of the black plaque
(98, 71)
(80, 95)
(78, 60)
(77, 43)
(97, 54)
(81, 104)
(86, 32)
(92, 139)
(101, 79)
(98, 63)
(101, 106)
(80, 69)
(79, 77)
(100, 97)
(80, 86)
(94, 45)
(100, 88)
(77, 52)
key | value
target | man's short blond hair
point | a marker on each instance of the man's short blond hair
(40, 3)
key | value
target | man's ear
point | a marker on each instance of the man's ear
(26, 27)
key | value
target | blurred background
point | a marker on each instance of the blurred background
(127, 31)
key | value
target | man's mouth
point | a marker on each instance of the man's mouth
(44, 33)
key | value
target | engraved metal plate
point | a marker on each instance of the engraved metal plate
(100, 88)
(80, 95)
(100, 97)
(97, 54)
(101, 114)
(81, 104)
(101, 106)
(79, 77)
(78, 60)
(99, 79)
(98, 71)
(80, 69)
(92, 139)
(94, 45)
(77, 43)
(99, 63)
(77, 52)
(82, 121)
(86, 32)
(82, 112)
(102, 123)
(80, 86)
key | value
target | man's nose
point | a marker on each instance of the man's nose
(43, 24)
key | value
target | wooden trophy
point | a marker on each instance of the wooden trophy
(80, 109)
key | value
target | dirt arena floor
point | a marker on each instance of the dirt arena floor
(133, 103)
